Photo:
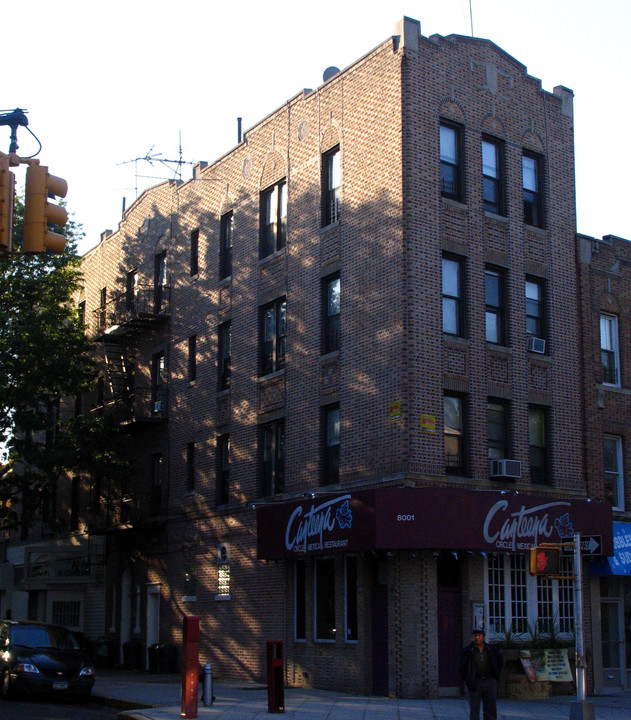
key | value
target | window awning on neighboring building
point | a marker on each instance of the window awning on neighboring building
(620, 563)
(393, 518)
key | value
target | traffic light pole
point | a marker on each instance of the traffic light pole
(581, 709)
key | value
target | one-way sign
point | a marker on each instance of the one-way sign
(590, 545)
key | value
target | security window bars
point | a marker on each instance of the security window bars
(225, 245)
(331, 187)
(273, 219)
(273, 333)
(609, 352)
(451, 161)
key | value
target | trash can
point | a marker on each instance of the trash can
(104, 653)
(167, 659)
(275, 677)
(132, 651)
(152, 655)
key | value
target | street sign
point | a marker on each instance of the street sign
(590, 545)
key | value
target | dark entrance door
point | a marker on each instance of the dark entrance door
(449, 621)
(380, 640)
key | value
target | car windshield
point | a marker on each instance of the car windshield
(38, 636)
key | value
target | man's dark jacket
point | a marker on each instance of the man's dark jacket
(466, 667)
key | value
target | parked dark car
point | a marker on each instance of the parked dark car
(43, 658)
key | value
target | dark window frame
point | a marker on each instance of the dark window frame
(223, 469)
(451, 166)
(273, 214)
(300, 600)
(331, 438)
(224, 355)
(533, 191)
(194, 264)
(493, 183)
(331, 172)
(449, 299)
(498, 432)
(495, 305)
(539, 452)
(331, 308)
(156, 484)
(190, 465)
(226, 235)
(455, 463)
(272, 458)
(609, 356)
(192, 358)
(272, 334)
(324, 600)
(535, 321)
(158, 379)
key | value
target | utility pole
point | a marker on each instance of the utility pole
(581, 709)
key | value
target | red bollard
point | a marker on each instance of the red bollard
(190, 666)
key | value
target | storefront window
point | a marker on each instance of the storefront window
(300, 610)
(325, 599)
(351, 598)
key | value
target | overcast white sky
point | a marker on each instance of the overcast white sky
(105, 83)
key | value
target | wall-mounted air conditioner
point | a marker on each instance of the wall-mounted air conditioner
(505, 468)
(536, 344)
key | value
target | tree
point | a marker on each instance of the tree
(45, 356)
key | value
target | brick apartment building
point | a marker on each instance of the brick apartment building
(348, 352)
(604, 270)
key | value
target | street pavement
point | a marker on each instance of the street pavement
(142, 696)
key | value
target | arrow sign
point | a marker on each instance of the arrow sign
(590, 545)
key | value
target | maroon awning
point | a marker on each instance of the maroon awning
(418, 518)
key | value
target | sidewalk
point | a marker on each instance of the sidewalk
(158, 697)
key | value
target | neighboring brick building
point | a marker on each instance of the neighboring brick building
(605, 303)
(349, 353)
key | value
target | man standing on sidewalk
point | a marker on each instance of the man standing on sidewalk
(480, 667)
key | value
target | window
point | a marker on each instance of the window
(452, 296)
(300, 600)
(194, 252)
(190, 466)
(223, 469)
(332, 314)
(350, 604)
(156, 484)
(531, 182)
(454, 434)
(494, 288)
(81, 312)
(223, 572)
(66, 613)
(535, 308)
(537, 440)
(158, 383)
(492, 176)
(331, 459)
(614, 483)
(192, 358)
(609, 355)
(224, 356)
(102, 310)
(190, 581)
(273, 219)
(450, 161)
(498, 429)
(131, 291)
(331, 187)
(272, 445)
(225, 245)
(74, 503)
(159, 281)
(324, 599)
(273, 331)
(521, 603)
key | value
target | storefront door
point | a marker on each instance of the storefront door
(611, 634)
(449, 617)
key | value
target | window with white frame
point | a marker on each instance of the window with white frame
(614, 485)
(609, 354)
(523, 605)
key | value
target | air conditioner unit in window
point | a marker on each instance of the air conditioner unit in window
(505, 468)
(158, 406)
(536, 344)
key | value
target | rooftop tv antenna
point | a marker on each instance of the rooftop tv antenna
(156, 159)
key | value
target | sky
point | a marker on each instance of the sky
(107, 83)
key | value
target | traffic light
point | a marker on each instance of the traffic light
(545, 561)
(7, 189)
(39, 213)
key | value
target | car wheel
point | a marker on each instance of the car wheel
(7, 691)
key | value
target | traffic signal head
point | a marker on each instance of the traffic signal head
(39, 213)
(545, 561)
(7, 187)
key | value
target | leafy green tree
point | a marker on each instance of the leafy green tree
(44, 357)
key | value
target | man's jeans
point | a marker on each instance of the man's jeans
(486, 692)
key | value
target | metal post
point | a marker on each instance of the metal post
(581, 709)
(208, 697)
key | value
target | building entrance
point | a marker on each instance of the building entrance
(449, 615)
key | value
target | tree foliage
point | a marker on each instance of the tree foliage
(44, 356)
